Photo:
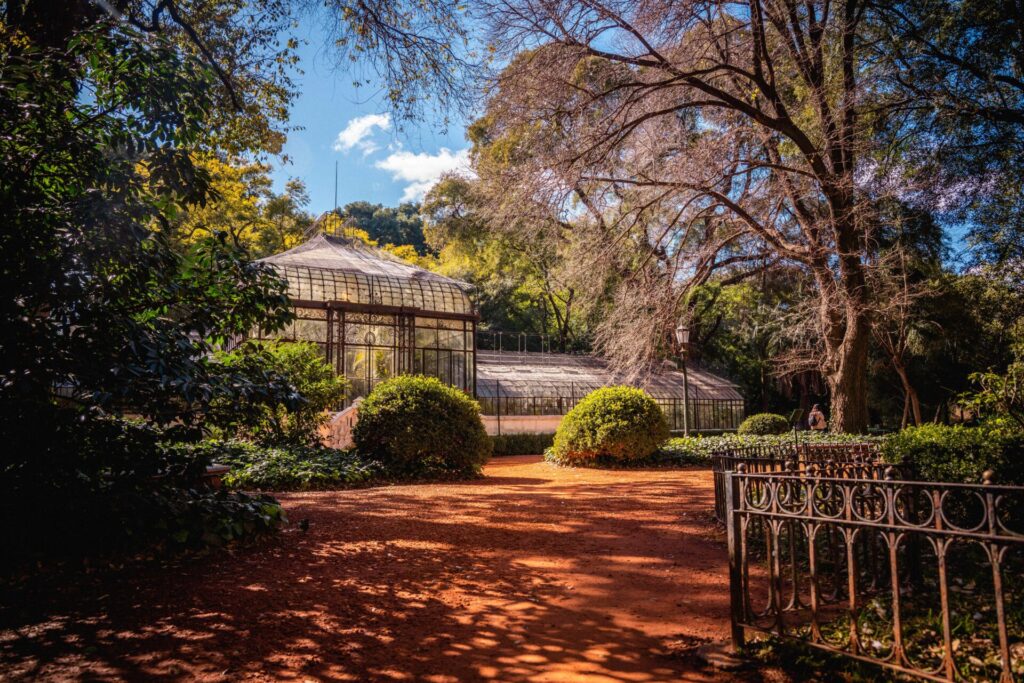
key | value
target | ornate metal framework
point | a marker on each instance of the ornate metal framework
(841, 460)
(923, 578)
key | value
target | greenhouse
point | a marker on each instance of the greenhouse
(374, 315)
(523, 383)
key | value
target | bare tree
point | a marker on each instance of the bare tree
(745, 117)
(898, 319)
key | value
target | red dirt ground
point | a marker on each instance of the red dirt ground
(535, 573)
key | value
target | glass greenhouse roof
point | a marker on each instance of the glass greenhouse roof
(511, 374)
(333, 268)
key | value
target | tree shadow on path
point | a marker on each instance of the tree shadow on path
(533, 573)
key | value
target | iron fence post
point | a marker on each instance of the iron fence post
(735, 561)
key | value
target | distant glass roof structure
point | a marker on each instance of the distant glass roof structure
(516, 383)
(512, 374)
(334, 268)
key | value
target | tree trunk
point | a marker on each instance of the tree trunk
(847, 324)
(909, 392)
(848, 382)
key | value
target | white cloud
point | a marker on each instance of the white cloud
(422, 170)
(358, 131)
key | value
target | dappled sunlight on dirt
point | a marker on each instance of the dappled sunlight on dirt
(534, 573)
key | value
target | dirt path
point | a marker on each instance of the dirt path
(536, 573)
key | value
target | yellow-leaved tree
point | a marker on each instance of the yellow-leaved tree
(245, 207)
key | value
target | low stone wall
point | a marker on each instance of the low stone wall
(521, 424)
(337, 433)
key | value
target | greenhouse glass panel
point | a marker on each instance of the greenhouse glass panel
(311, 330)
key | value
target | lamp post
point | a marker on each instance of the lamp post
(683, 341)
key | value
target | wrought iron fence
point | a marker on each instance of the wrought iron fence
(923, 578)
(858, 460)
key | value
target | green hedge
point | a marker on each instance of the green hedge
(764, 423)
(697, 450)
(522, 444)
(614, 424)
(958, 454)
(418, 426)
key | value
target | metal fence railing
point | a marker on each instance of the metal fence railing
(840, 460)
(923, 578)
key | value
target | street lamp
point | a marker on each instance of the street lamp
(683, 342)
(682, 337)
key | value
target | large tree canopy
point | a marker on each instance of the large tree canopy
(735, 126)
(957, 68)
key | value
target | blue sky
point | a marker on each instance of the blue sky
(351, 125)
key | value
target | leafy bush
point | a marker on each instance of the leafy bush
(764, 423)
(611, 424)
(418, 426)
(1002, 395)
(112, 488)
(522, 444)
(292, 468)
(191, 519)
(318, 388)
(958, 454)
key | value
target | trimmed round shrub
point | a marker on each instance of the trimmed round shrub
(613, 423)
(764, 423)
(416, 426)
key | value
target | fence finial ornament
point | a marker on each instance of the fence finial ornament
(741, 468)
(890, 473)
(987, 477)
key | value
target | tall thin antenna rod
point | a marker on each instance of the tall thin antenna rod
(335, 185)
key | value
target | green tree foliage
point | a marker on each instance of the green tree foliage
(94, 301)
(385, 225)
(613, 423)
(100, 315)
(958, 66)
(417, 426)
(1001, 394)
(737, 330)
(302, 366)
(244, 206)
(517, 283)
